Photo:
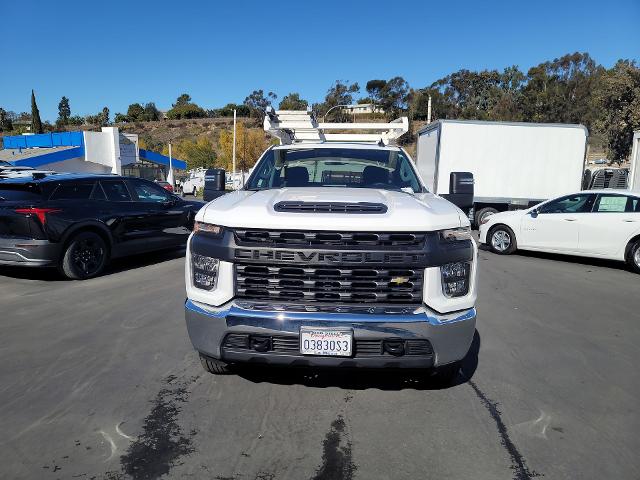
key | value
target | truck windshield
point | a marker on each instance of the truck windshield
(334, 167)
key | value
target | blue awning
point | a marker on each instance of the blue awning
(162, 159)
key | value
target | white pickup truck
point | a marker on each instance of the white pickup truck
(194, 183)
(333, 254)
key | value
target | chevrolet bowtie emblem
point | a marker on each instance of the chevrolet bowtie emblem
(399, 280)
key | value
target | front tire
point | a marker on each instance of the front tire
(215, 366)
(634, 257)
(84, 257)
(484, 213)
(446, 375)
(195, 191)
(501, 240)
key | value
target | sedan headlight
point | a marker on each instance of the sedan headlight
(456, 234)
(205, 271)
(455, 279)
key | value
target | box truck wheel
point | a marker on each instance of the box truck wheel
(502, 240)
(483, 213)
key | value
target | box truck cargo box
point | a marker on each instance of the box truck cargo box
(514, 165)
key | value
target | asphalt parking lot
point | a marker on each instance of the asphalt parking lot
(99, 381)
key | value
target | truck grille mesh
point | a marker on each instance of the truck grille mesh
(279, 238)
(329, 284)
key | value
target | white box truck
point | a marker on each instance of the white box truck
(514, 165)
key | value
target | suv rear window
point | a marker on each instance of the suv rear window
(22, 192)
(73, 191)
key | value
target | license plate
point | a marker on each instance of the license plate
(325, 341)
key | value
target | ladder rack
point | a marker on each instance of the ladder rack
(295, 126)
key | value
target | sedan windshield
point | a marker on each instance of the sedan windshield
(334, 167)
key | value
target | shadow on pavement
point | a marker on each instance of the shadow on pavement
(355, 379)
(116, 266)
(558, 257)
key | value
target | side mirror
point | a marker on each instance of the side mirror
(461, 189)
(214, 184)
(534, 213)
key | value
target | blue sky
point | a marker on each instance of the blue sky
(119, 52)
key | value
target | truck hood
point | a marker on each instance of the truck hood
(405, 212)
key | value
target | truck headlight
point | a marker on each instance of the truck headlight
(455, 279)
(455, 234)
(205, 271)
(207, 227)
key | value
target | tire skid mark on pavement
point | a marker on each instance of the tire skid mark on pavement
(518, 463)
(337, 456)
(155, 451)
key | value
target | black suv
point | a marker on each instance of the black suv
(78, 222)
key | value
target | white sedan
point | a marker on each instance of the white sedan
(592, 223)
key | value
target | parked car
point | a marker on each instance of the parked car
(593, 223)
(166, 185)
(78, 222)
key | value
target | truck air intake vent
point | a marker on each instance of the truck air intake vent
(330, 207)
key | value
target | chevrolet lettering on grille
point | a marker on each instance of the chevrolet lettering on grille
(273, 255)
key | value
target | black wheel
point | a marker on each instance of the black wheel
(444, 376)
(501, 240)
(634, 256)
(215, 366)
(84, 257)
(195, 191)
(484, 213)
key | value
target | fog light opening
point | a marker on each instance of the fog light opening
(393, 346)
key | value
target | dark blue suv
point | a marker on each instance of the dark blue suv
(78, 222)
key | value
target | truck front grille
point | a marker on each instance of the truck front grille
(286, 238)
(329, 284)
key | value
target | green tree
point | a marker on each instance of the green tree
(184, 108)
(561, 90)
(151, 112)
(120, 118)
(64, 111)
(36, 123)
(183, 99)
(293, 102)
(197, 153)
(104, 117)
(394, 97)
(6, 125)
(617, 98)
(258, 103)
(340, 93)
(76, 120)
(135, 112)
(374, 89)
(190, 110)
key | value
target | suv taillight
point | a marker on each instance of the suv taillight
(41, 213)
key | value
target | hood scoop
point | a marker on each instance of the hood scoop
(329, 207)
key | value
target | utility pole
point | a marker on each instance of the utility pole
(429, 110)
(234, 147)
(170, 175)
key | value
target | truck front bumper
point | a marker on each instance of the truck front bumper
(448, 336)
